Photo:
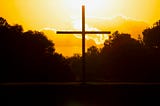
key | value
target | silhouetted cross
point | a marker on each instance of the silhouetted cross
(83, 32)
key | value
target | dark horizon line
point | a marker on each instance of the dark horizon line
(77, 83)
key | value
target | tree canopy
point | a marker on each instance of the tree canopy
(151, 36)
(30, 56)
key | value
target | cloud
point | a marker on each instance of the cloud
(119, 23)
(69, 44)
(97, 38)
(48, 29)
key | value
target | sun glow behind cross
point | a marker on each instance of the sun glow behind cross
(97, 38)
(89, 2)
(92, 6)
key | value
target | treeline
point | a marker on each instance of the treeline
(30, 57)
(123, 58)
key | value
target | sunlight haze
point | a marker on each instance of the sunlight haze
(63, 15)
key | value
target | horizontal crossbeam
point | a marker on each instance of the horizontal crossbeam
(69, 32)
(80, 32)
(97, 32)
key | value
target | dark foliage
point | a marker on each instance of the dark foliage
(151, 36)
(124, 59)
(29, 56)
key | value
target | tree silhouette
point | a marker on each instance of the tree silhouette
(122, 59)
(93, 62)
(3, 22)
(93, 50)
(151, 36)
(30, 56)
(76, 66)
(151, 39)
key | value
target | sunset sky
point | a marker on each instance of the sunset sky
(66, 14)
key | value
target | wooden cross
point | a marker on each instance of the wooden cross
(83, 32)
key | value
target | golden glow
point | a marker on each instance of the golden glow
(92, 6)
(59, 14)
(97, 38)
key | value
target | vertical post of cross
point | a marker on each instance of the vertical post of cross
(83, 45)
(83, 32)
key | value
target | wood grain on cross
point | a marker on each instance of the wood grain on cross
(83, 32)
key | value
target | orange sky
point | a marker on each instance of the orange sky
(62, 14)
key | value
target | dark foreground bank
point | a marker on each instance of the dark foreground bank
(77, 94)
